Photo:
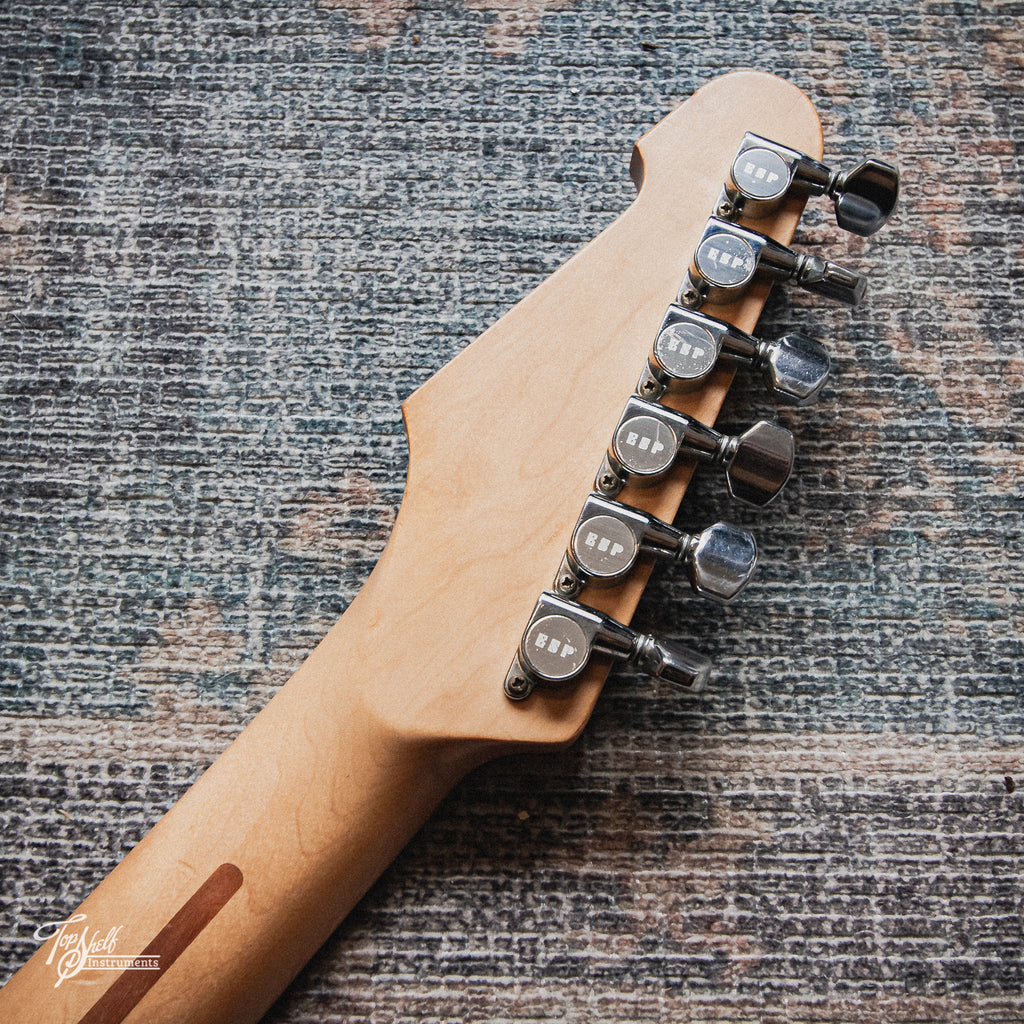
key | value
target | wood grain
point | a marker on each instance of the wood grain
(404, 694)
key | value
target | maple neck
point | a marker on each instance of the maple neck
(238, 885)
(248, 874)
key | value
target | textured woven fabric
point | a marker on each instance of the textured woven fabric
(233, 237)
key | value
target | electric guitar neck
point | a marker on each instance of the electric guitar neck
(547, 464)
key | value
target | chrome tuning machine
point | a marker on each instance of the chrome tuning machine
(729, 257)
(765, 173)
(689, 344)
(609, 537)
(563, 635)
(649, 437)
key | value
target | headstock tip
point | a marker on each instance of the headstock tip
(735, 103)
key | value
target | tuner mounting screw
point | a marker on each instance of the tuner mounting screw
(608, 483)
(567, 584)
(517, 687)
(690, 298)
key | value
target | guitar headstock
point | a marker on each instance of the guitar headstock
(511, 439)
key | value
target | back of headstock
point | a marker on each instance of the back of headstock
(566, 405)
(509, 439)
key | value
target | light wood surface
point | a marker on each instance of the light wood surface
(404, 695)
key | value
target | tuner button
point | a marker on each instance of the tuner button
(721, 561)
(795, 367)
(759, 463)
(831, 280)
(682, 667)
(866, 196)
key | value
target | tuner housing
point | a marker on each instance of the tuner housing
(609, 537)
(729, 257)
(562, 636)
(649, 437)
(764, 173)
(689, 344)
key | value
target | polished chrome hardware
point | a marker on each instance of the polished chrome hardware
(729, 257)
(609, 537)
(562, 636)
(764, 173)
(689, 344)
(649, 437)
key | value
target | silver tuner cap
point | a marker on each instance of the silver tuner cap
(720, 561)
(729, 257)
(563, 635)
(764, 173)
(644, 446)
(605, 544)
(685, 352)
(794, 367)
(759, 462)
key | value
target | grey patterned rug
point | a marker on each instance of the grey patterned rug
(233, 237)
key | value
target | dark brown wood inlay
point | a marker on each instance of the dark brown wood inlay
(172, 940)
